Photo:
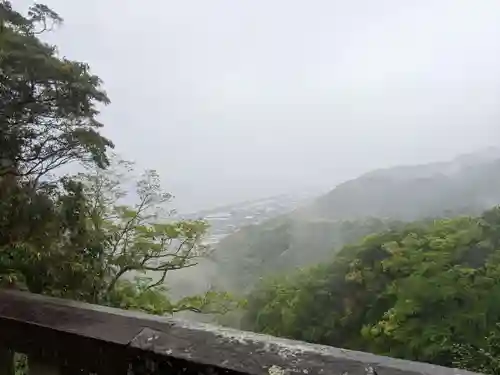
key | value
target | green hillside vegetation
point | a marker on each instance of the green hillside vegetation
(283, 243)
(428, 291)
(374, 202)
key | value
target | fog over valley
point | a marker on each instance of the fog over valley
(232, 101)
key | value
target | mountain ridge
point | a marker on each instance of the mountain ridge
(375, 201)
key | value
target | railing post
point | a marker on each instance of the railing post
(6, 362)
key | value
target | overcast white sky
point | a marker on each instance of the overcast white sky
(235, 99)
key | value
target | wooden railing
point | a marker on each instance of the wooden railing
(62, 337)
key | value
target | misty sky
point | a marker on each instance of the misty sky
(235, 99)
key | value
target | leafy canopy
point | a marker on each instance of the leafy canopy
(427, 292)
(48, 104)
(79, 237)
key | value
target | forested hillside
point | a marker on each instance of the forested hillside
(467, 184)
(371, 203)
(428, 291)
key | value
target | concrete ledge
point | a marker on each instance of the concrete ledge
(103, 339)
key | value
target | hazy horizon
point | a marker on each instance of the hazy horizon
(233, 100)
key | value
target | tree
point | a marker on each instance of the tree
(75, 236)
(141, 244)
(42, 237)
(483, 359)
(48, 109)
(427, 292)
(98, 249)
(48, 104)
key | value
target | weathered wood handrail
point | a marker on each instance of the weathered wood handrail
(63, 337)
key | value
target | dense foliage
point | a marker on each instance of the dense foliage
(429, 292)
(48, 104)
(78, 236)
